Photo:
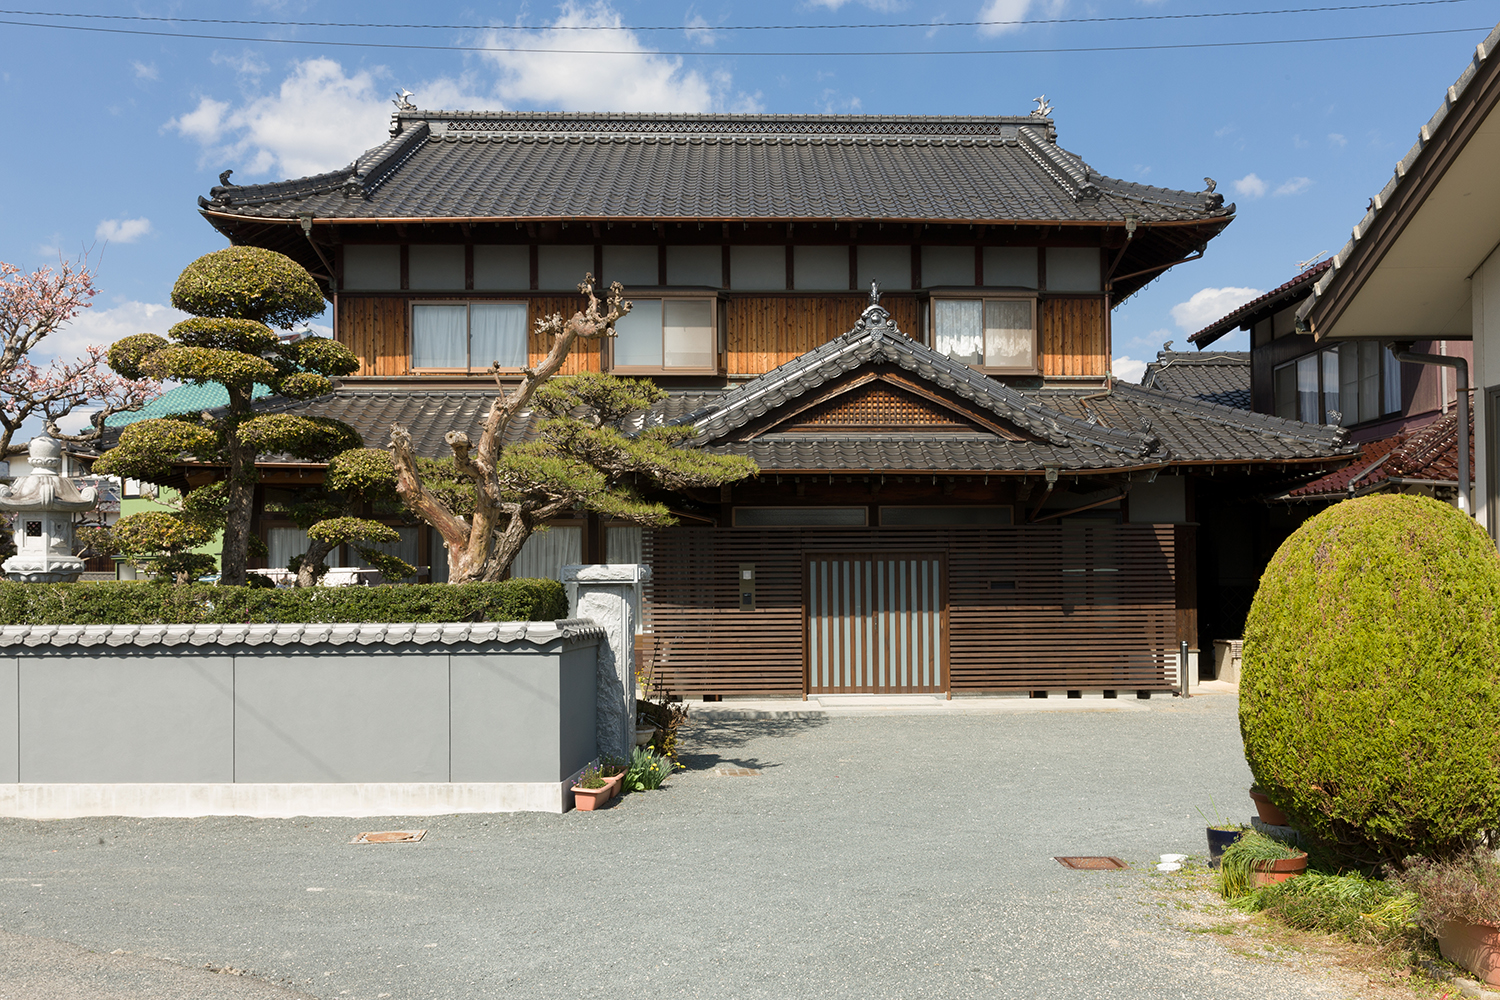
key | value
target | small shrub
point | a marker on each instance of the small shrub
(1464, 889)
(201, 604)
(1239, 860)
(1371, 679)
(647, 770)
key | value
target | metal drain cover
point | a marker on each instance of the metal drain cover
(390, 837)
(737, 772)
(1091, 864)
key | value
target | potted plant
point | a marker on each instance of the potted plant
(1221, 833)
(592, 791)
(1255, 860)
(612, 769)
(1458, 902)
(1270, 813)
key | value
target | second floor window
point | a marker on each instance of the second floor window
(994, 334)
(464, 336)
(667, 335)
(1359, 380)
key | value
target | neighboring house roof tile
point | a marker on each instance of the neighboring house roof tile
(451, 164)
(1218, 377)
(1428, 454)
(1287, 292)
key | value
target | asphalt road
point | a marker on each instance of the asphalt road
(870, 857)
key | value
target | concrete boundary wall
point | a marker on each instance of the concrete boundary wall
(295, 720)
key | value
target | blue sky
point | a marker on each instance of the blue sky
(113, 136)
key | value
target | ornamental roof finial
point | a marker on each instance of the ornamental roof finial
(1042, 109)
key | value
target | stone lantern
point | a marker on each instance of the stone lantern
(44, 504)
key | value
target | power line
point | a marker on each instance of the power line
(698, 52)
(738, 27)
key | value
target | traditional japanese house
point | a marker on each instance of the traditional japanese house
(904, 321)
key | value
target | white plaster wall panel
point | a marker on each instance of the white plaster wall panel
(562, 268)
(355, 716)
(435, 267)
(947, 266)
(372, 267)
(702, 265)
(1011, 267)
(891, 266)
(631, 266)
(163, 716)
(521, 740)
(757, 269)
(1073, 269)
(820, 269)
(502, 268)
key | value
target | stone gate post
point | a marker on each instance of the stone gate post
(607, 595)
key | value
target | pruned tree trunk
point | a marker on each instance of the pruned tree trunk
(482, 547)
(317, 551)
(233, 565)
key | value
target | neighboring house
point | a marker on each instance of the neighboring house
(954, 496)
(1221, 377)
(1422, 264)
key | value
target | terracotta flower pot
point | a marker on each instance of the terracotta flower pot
(1271, 872)
(1267, 809)
(615, 782)
(1476, 947)
(589, 799)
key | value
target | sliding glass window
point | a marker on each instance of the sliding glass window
(468, 336)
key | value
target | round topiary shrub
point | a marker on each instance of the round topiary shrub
(1370, 692)
(248, 283)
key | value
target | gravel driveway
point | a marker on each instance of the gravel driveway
(897, 856)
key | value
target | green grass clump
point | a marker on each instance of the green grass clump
(1237, 866)
(1362, 909)
(1371, 679)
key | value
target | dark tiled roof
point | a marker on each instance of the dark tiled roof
(1219, 377)
(1426, 454)
(1459, 93)
(1299, 287)
(449, 164)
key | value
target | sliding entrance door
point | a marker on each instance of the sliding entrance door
(876, 623)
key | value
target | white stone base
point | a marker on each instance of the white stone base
(275, 801)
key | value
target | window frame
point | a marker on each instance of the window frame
(982, 295)
(412, 304)
(715, 334)
(1383, 405)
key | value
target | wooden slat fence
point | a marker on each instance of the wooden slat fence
(1054, 607)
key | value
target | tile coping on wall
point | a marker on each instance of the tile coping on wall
(315, 634)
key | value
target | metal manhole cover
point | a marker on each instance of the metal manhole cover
(390, 837)
(737, 772)
(1091, 864)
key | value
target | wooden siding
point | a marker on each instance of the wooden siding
(585, 354)
(1074, 340)
(770, 331)
(1056, 607)
(374, 328)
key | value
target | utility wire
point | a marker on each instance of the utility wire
(699, 52)
(740, 27)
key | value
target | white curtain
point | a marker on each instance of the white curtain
(403, 548)
(547, 552)
(439, 336)
(1007, 334)
(284, 543)
(687, 333)
(622, 544)
(497, 333)
(959, 329)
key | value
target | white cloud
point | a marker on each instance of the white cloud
(1128, 369)
(1209, 304)
(872, 4)
(699, 31)
(247, 63)
(635, 80)
(1250, 186)
(1013, 11)
(103, 327)
(145, 71)
(1334, 139)
(122, 230)
(1294, 186)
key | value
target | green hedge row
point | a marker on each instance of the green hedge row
(205, 604)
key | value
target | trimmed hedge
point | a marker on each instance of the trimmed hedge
(1370, 689)
(206, 604)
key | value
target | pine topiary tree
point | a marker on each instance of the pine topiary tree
(1371, 679)
(236, 295)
